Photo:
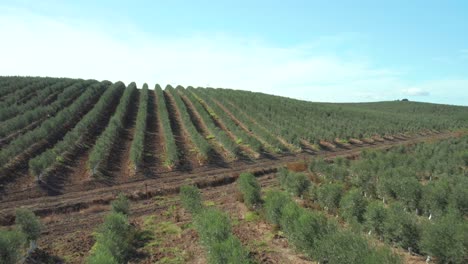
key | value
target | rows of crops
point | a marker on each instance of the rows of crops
(382, 208)
(412, 197)
(43, 120)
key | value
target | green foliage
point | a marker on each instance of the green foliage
(274, 203)
(342, 247)
(138, 142)
(293, 182)
(294, 120)
(329, 196)
(400, 227)
(434, 197)
(28, 223)
(114, 240)
(446, 239)
(75, 137)
(213, 226)
(353, 206)
(229, 251)
(190, 197)
(101, 151)
(250, 189)
(11, 243)
(242, 137)
(215, 133)
(201, 145)
(170, 149)
(121, 205)
(53, 125)
(318, 238)
(214, 229)
(375, 218)
(67, 90)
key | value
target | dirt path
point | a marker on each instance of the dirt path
(187, 159)
(154, 141)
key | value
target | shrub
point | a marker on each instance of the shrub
(114, 238)
(342, 247)
(11, 243)
(250, 189)
(229, 251)
(329, 196)
(353, 206)
(401, 228)
(295, 183)
(121, 205)
(29, 224)
(445, 239)
(101, 255)
(382, 255)
(309, 228)
(190, 197)
(375, 218)
(274, 203)
(213, 226)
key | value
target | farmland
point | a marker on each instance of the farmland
(70, 147)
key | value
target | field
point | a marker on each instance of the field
(69, 147)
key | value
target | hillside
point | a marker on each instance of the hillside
(69, 147)
(68, 131)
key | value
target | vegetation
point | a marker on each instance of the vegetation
(202, 147)
(31, 115)
(171, 157)
(218, 113)
(250, 189)
(214, 229)
(14, 242)
(413, 197)
(294, 120)
(101, 151)
(138, 143)
(294, 183)
(216, 133)
(115, 237)
(52, 126)
(77, 136)
(318, 238)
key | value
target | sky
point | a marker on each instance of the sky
(327, 51)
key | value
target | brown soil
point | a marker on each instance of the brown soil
(154, 140)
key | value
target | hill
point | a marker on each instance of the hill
(65, 131)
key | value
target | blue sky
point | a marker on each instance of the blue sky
(338, 51)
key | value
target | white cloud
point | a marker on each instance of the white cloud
(41, 46)
(414, 91)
